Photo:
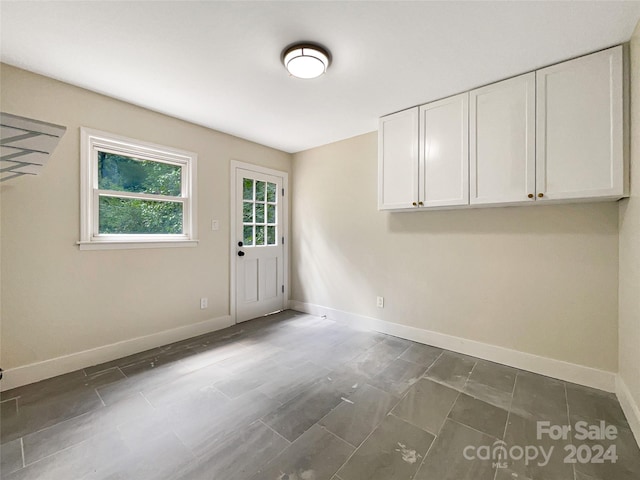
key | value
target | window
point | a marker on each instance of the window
(135, 194)
(260, 201)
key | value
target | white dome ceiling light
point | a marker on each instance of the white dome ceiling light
(303, 60)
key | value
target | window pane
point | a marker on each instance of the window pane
(271, 235)
(271, 192)
(271, 214)
(259, 235)
(247, 237)
(260, 191)
(247, 189)
(247, 212)
(259, 212)
(129, 215)
(126, 174)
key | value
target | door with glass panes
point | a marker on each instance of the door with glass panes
(259, 250)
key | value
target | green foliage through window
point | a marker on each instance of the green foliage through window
(121, 215)
(134, 216)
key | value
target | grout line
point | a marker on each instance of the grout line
(449, 413)
(22, 451)
(147, 400)
(338, 437)
(97, 393)
(262, 422)
(433, 363)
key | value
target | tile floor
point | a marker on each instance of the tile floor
(298, 397)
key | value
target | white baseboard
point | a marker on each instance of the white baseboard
(629, 407)
(570, 372)
(34, 372)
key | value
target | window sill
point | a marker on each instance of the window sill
(124, 245)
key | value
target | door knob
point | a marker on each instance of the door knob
(415, 204)
(240, 253)
(240, 244)
(420, 204)
(540, 195)
(530, 195)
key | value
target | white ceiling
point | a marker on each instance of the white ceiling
(217, 64)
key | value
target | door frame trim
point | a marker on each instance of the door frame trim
(234, 166)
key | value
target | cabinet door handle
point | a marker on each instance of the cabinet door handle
(540, 195)
(530, 195)
(420, 204)
(415, 204)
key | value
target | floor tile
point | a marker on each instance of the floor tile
(421, 354)
(627, 464)
(11, 457)
(75, 430)
(377, 358)
(203, 425)
(508, 474)
(479, 415)
(451, 369)
(355, 418)
(492, 383)
(394, 450)
(8, 408)
(239, 457)
(37, 411)
(427, 405)
(294, 382)
(581, 476)
(152, 453)
(398, 377)
(317, 455)
(539, 397)
(184, 386)
(46, 388)
(523, 432)
(593, 405)
(446, 459)
(297, 415)
(251, 378)
(122, 362)
(98, 457)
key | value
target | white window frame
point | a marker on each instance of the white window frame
(93, 141)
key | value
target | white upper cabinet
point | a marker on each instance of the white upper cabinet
(398, 160)
(579, 134)
(559, 134)
(502, 142)
(444, 152)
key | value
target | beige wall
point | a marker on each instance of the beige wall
(56, 299)
(630, 245)
(542, 280)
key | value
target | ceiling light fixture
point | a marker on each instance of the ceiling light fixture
(303, 60)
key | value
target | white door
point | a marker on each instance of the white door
(579, 134)
(398, 160)
(258, 249)
(444, 152)
(502, 153)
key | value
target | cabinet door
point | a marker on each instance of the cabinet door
(444, 152)
(502, 142)
(398, 160)
(579, 131)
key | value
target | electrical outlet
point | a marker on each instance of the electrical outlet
(204, 303)
(380, 302)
